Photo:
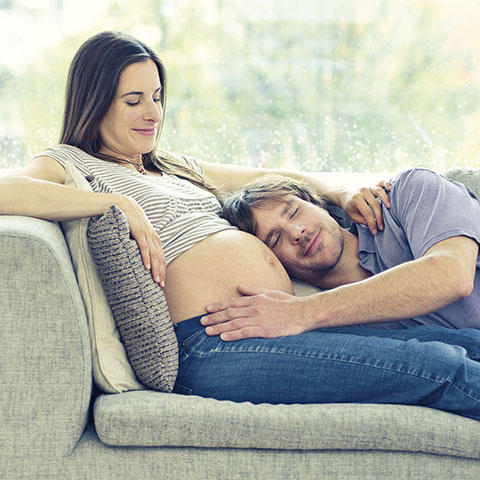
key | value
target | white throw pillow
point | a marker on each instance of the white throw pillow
(111, 370)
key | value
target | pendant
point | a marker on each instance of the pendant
(140, 169)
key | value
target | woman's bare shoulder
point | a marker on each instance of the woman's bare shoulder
(42, 168)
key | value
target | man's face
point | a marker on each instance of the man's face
(304, 237)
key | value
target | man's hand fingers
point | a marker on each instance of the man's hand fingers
(232, 302)
(236, 329)
(376, 207)
(248, 290)
(371, 209)
(242, 333)
(219, 324)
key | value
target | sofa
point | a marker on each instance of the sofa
(58, 422)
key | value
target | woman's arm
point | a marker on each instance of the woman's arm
(38, 190)
(362, 206)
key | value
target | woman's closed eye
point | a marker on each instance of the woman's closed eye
(156, 99)
(293, 213)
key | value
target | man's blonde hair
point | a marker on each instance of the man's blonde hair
(237, 208)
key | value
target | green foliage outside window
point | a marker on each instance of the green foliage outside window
(324, 85)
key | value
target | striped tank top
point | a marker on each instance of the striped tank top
(181, 213)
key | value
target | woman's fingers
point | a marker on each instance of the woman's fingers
(151, 252)
(364, 207)
(157, 258)
(381, 191)
(148, 242)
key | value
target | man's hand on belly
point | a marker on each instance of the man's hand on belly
(259, 313)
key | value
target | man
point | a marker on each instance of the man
(422, 266)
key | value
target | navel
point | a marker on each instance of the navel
(271, 260)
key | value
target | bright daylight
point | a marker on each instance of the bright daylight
(322, 85)
(239, 240)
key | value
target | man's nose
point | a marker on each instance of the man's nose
(297, 232)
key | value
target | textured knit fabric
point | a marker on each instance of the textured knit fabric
(137, 302)
(133, 419)
(44, 346)
(46, 376)
(425, 209)
(112, 371)
(182, 213)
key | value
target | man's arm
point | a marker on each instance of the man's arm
(444, 275)
(361, 206)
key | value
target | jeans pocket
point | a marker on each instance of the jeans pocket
(198, 342)
(180, 389)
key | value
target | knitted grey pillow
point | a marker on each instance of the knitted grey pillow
(137, 302)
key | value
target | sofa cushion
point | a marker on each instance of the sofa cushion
(148, 419)
(111, 369)
(470, 177)
(137, 302)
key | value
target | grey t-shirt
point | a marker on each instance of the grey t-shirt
(425, 209)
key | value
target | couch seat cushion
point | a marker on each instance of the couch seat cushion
(148, 419)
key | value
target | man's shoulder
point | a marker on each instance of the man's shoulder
(416, 176)
(416, 185)
(414, 190)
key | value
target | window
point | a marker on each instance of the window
(325, 85)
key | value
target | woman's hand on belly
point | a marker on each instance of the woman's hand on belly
(215, 267)
(147, 238)
(258, 313)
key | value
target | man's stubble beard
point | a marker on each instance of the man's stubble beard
(311, 271)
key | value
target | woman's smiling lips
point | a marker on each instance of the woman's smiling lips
(313, 244)
(145, 131)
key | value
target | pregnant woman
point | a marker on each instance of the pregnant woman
(114, 112)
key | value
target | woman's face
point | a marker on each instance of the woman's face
(130, 126)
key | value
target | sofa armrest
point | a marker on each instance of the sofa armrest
(44, 345)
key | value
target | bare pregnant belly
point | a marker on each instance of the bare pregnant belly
(212, 270)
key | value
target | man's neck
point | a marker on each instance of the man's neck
(348, 269)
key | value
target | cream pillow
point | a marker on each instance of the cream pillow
(111, 370)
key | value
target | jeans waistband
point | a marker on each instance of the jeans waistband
(185, 328)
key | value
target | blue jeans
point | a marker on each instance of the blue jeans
(427, 365)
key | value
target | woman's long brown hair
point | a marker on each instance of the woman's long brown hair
(92, 81)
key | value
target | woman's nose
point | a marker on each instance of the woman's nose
(153, 112)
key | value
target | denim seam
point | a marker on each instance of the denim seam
(342, 360)
(467, 394)
(415, 374)
(191, 337)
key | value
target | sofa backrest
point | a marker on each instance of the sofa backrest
(470, 177)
